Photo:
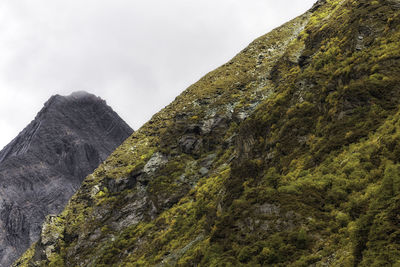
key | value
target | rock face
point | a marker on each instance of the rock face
(46, 163)
(287, 155)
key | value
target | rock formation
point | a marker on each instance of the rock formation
(287, 155)
(45, 164)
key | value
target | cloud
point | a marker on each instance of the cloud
(138, 55)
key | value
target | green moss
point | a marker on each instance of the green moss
(311, 176)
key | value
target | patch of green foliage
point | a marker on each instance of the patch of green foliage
(312, 176)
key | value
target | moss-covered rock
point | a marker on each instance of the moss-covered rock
(288, 155)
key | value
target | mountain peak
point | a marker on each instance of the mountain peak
(73, 97)
(82, 96)
(43, 166)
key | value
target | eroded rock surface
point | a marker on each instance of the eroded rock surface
(45, 164)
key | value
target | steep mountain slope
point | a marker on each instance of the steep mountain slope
(288, 155)
(46, 163)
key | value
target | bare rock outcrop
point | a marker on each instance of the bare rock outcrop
(45, 164)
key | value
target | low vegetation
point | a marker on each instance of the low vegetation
(288, 155)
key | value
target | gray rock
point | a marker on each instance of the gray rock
(242, 115)
(45, 164)
(269, 209)
(207, 126)
(156, 161)
(212, 124)
(203, 170)
(189, 143)
(208, 161)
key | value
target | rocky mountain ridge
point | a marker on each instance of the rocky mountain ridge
(45, 164)
(287, 155)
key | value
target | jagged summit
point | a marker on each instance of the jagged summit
(74, 96)
(43, 166)
(80, 107)
(62, 101)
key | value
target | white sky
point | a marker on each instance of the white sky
(137, 55)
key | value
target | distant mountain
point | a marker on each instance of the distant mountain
(46, 163)
(287, 155)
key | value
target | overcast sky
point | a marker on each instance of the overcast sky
(137, 55)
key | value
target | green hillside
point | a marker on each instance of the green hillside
(287, 155)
